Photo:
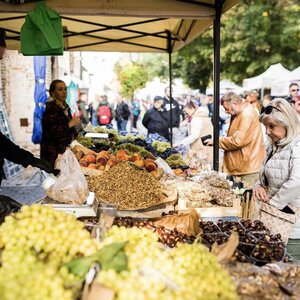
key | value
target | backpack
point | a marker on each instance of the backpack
(104, 115)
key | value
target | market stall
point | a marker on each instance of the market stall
(149, 236)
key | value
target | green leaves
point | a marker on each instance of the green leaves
(254, 35)
(132, 77)
(111, 256)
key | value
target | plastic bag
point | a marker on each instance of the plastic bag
(71, 186)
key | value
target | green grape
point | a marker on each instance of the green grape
(36, 242)
(186, 272)
(161, 146)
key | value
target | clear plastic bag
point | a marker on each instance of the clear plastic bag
(71, 186)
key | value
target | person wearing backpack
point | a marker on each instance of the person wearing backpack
(105, 112)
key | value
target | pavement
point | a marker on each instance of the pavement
(24, 187)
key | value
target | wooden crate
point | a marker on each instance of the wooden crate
(216, 211)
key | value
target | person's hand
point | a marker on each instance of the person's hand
(208, 142)
(7, 206)
(176, 145)
(42, 164)
(259, 193)
(74, 121)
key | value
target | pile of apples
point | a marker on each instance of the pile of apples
(105, 160)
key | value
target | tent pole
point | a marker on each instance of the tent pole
(216, 79)
(170, 85)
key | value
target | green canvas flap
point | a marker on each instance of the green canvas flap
(42, 32)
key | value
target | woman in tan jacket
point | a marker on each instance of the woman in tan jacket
(199, 125)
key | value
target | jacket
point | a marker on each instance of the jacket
(244, 145)
(122, 111)
(156, 122)
(175, 112)
(200, 125)
(14, 153)
(282, 172)
(57, 134)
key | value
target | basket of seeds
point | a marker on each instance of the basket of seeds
(131, 188)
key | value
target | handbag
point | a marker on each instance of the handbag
(278, 221)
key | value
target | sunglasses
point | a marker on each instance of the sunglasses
(296, 90)
(268, 109)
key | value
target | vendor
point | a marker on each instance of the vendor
(59, 128)
(279, 179)
(199, 125)
(14, 153)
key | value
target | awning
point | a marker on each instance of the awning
(120, 25)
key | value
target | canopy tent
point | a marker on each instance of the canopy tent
(130, 26)
(281, 87)
(225, 87)
(123, 25)
(266, 79)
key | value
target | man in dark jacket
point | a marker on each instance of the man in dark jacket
(293, 92)
(122, 113)
(14, 153)
(155, 120)
(175, 108)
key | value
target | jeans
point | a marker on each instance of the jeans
(121, 124)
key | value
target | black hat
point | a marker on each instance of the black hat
(2, 38)
(157, 98)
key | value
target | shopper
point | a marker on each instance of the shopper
(58, 124)
(93, 111)
(175, 113)
(105, 112)
(136, 110)
(122, 113)
(293, 92)
(243, 146)
(199, 125)
(155, 120)
(296, 106)
(279, 179)
(82, 108)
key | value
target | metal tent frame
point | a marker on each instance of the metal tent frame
(130, 26)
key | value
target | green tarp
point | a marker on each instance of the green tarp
(42, 32)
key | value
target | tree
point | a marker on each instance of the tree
(132, 77)
(254, 35)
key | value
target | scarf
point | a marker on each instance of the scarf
(63, 105)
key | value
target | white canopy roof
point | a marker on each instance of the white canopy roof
(225, 87)
(281, 87)
(120, 25)
(267, 78)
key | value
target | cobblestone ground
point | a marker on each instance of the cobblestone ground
(24, 187)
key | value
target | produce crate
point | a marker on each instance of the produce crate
(216, 211)
(89, 209)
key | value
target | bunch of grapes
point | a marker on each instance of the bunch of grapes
(155, 137)
(186, 272)
(36, 242)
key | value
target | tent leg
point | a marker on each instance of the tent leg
(170, 85)
(216, 79)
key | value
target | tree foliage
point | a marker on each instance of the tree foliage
(254, 35)
(132, 77)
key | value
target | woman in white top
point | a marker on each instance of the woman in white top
(279, 181)
(199, 125)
